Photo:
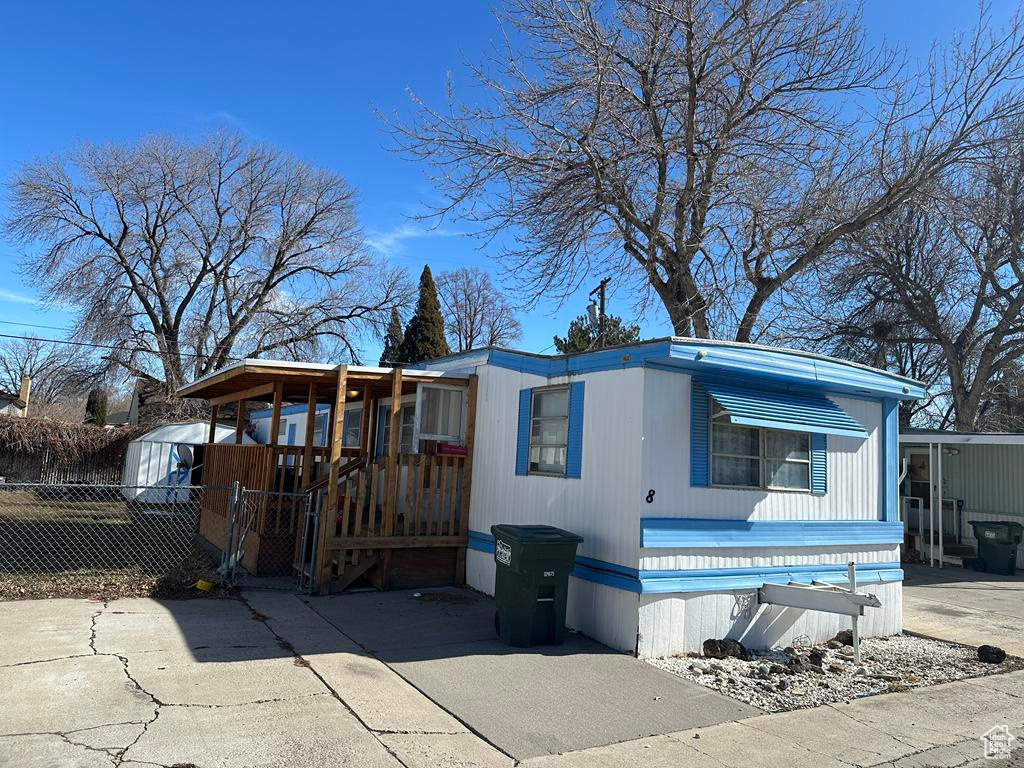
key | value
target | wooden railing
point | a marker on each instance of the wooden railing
(428, 501)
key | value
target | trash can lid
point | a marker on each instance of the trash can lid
(536, 534)
(996, 524)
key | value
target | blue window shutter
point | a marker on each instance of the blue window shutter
(574, 443)
(291, 433)
(382, 415)
(819, 465)
(523, 438)
(699, 437)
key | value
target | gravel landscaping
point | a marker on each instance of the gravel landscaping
(796, 678)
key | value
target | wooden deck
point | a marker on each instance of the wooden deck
(394, 519)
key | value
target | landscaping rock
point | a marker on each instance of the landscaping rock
(901, 663)
(991, 654)
(844, 637)
(725, 649)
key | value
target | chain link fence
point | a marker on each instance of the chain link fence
(269, 539)
(48, 529)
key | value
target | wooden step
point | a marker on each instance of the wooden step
(352, 572)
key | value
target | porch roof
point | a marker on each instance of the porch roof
(925, 436)
(250, 375)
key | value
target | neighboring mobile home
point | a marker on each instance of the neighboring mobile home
(969, 476)
(695, 471)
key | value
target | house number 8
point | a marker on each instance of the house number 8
(650, 496)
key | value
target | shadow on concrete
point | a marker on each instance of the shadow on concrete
(526, 701)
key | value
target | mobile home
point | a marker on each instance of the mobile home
(968, 476)
(695, 471)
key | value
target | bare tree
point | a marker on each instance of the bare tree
(476, 313)
(185, 256)
(61, 374)
(713, 150)
(948, 277)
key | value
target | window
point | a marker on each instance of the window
(752, 457)
(549, 421)
(320, 429)
(352, 426)
(441, 413)
(407, 420)
(282, 432)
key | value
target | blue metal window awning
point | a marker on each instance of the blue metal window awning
(783, 410)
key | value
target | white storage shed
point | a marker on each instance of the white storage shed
(159, 466)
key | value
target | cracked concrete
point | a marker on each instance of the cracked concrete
(267, 681)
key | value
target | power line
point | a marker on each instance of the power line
(93, 345)
(37, 325)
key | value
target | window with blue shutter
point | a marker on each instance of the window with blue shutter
(523, 437)
(819, 464)
(574, 441)
(700, 419)
(549, 438)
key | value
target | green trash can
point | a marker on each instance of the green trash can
(997, 545)
(531, 582)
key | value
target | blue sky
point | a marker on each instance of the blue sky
(301, 76)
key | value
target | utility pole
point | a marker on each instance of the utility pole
(600, 291)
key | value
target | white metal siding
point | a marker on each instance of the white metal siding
(854, 487)
(671, 624)
(602, 506)
(603, 613)
(744, 557)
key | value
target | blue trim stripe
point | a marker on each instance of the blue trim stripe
(784, 367)
(819, 464)
(699, 438)
(523, 436)
(708, 579)
(574, 440)
(783, 410)
(725, 579)
(701, 533)
(890, 460)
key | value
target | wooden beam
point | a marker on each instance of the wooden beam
(329, 515)
(275, 413)
(240, 422)
(307, 454)
(467, 477)
(213, 424)
(391, 472)
(394, 542)
(252, 393)
(364, 426)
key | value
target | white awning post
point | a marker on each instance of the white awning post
(931, 507)
(942, 514)
(851, 568)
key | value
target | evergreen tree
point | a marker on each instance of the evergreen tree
(96, 407)
(392, 340)
(582, 335)
(424, 335)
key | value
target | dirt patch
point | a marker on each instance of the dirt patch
(109, 584)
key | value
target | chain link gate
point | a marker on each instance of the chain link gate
(269, 539)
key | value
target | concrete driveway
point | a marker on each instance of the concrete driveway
(268, 681)
(527, 702)
(965, 606)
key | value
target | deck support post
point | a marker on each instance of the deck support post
(307, 453)
(213, 423)
(391, 472)
(239, 421)
(467, 479)
(329, 515)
